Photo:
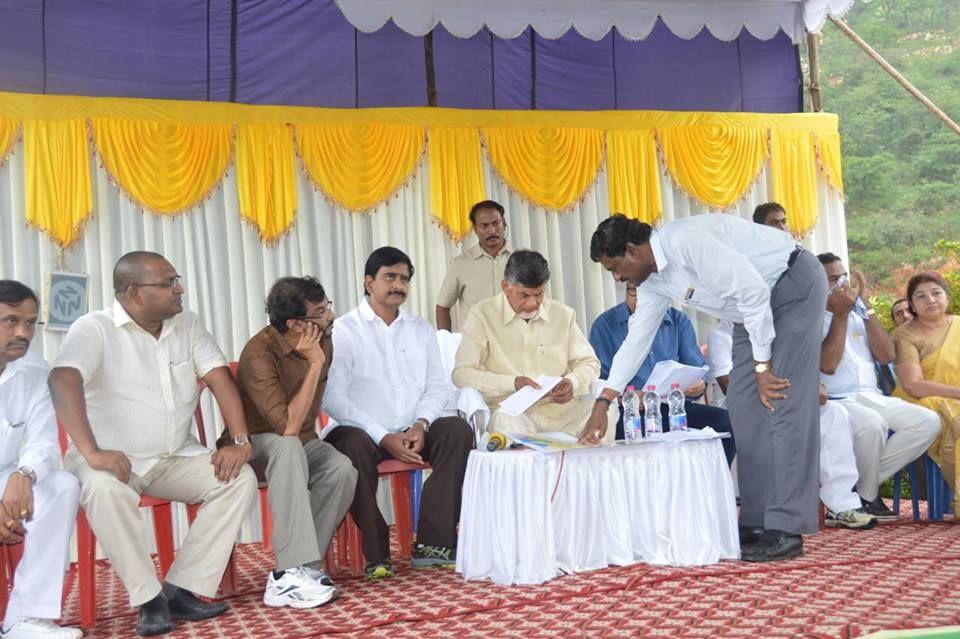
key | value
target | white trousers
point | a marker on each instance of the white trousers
(872, 415)
(838, 465)
(38, 581)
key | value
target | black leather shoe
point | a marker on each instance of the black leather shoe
(750, 534)
(155, 617)
(184, 605)
(773, 545)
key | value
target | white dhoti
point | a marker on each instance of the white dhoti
(838, 465)
(573, 419)
(38, 581)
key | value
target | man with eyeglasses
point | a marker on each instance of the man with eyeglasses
(282, 373)
(124, 386)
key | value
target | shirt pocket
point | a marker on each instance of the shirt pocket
(11, 438)
(184, 382)
(412, 365)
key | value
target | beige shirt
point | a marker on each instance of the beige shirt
(498, 346)
(473, 276)
(141, 391)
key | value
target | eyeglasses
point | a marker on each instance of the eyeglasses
(172, 282)
(321, 313)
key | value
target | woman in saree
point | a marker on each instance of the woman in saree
(928, 366)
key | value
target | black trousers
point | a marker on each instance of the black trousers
(447, 446)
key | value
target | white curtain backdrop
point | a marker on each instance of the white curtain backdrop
(227, 270)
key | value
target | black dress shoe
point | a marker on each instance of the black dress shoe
(184, 605)
(750, 534)
(773, 545)
(155, 617)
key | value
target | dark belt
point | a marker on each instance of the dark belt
(790, 260)
(793, 256)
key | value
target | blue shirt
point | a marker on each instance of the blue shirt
(675, 339)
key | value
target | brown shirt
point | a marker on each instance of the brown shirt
(269, 374)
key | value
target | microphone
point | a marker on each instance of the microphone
(496, 441)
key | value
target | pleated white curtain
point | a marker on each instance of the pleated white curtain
(227, 270)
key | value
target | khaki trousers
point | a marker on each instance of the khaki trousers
(310, 487)
(113, 511)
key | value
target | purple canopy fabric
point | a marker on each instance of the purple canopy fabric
(304, 52)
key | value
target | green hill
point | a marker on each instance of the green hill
(901, 164)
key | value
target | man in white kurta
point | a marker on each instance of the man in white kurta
(513, 338)
(125, 388)
(39, 500)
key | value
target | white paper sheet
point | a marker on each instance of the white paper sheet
(669, 372)
(516, 404)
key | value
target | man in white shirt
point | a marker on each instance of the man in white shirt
(39, 501)
(854, 341)
(386, 389)
(756, 277)
(125, 388)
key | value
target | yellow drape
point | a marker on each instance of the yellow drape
(632, 175)
(793, 177)
(715, 164)
(58, 196)
(165, 167)
(551, 167)
(8, 135)
(456, 177)
(828, 148)
(266, 182)
(358, 166)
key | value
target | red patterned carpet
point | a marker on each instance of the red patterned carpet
(848, 584)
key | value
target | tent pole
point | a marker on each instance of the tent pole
(813, 54)
(914, 91)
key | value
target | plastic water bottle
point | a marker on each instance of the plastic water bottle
(651, 409)
(632, 431)
(678, 411)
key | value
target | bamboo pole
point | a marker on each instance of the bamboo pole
(813, 54)
(906, 84)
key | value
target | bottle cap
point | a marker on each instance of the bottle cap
(674, 385)
(651, 387)
(631, 388)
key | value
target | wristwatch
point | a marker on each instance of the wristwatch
(425, 423)
(240, 440)
(28, 472)
(761, 367)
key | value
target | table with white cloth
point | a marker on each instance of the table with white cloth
(530, 516)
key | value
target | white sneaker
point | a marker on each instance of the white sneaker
(29, 628)
(296, 588)
(319, 575)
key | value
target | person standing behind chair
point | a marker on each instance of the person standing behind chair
(513, 338)
(281, 374)
(770, 288)
(675, 340)
(853, 341)
(475, 275)
(39, 501)
(125, 388)
(387, 390)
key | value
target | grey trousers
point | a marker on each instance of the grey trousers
(778, 452)
(310, 487)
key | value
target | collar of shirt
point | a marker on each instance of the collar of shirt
(16, 367)
(122, 318)
(367, 313)
(476, 252)
(279, 340)
(659, 256)
(510, 315)
(621, 314)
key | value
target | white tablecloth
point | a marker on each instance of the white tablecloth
(668, 503)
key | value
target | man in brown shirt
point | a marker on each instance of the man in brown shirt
(281, 375)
